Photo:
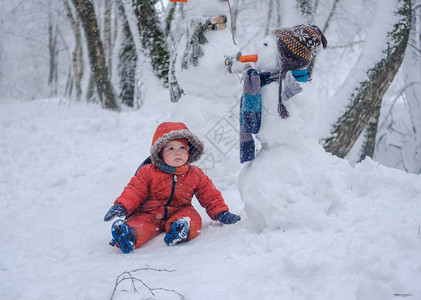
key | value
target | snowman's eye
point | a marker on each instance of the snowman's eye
(265, 44)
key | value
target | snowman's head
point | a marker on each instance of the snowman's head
(289, 48)
(267, 52)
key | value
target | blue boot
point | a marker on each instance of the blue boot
(123, 235)
(178, 232)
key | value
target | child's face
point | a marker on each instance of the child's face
(175, 154)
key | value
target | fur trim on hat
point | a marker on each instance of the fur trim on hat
(196, 146)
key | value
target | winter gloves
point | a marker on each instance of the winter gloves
(116, 210)
(226, 217)
(292, 87)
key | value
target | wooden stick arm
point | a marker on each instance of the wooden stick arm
(234, 63)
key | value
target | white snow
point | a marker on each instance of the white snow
(313, 226)
(335, 232)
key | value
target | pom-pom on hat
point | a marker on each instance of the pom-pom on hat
(168, 131)
(294, 48)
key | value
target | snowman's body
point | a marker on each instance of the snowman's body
(210, 94)
(208, 78)
(273, 128)
(264, 182)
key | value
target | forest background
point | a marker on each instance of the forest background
(104, 51)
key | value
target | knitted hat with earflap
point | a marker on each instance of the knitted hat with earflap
(294, 48)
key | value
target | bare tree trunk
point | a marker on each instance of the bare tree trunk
(90, 93)
(77, 54)
(100, 71)
(368, 95)
(270, 10)
(127, 61)
(52, 47)
(370, 136)
(169, 18)
(306, 9)
(108, 45)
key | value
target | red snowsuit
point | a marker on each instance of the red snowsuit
(155, 199)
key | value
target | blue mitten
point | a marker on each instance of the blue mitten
(226, 217)
(116, 210)
(301, 75)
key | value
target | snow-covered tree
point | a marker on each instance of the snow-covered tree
(366, 98)
(399, 134)
(152, 37)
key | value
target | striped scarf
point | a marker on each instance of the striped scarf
(251, 110)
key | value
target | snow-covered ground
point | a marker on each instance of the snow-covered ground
(351, 233)
(323, 230)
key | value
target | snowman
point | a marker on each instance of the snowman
(204, 94)
(197, 56)
(269, 120)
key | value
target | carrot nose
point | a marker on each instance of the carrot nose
(248, 58)
(178, 0)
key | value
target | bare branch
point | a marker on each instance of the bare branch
(127, 275)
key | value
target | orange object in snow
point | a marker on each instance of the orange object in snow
(248, 58)
(178, 0)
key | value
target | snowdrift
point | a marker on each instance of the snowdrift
(335, 231)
